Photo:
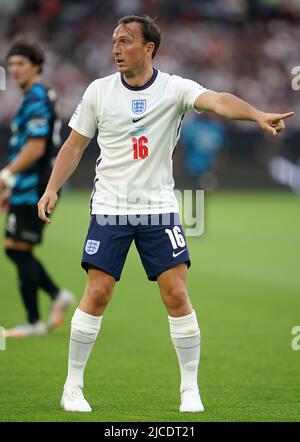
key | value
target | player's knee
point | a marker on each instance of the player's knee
(27, 268)
(175, 297)
(22, 259)
(99, 294)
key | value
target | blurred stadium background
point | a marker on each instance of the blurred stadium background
(244, 281)
(245, 47)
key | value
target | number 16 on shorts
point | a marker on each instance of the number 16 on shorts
(177, 239)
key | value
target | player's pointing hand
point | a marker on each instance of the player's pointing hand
(273, 123)
(46, 205)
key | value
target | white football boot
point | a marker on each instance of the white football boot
(61, 304)
(191, 401)
(26, 329)
(73, 400)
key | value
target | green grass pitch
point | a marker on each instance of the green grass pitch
(244, 284)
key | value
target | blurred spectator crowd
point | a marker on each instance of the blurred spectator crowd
(245, 47)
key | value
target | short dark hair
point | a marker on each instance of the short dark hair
(150, 30)
(30, 50)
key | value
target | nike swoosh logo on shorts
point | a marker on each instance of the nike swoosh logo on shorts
(176, 254)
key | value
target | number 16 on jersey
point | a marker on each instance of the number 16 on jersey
(140, 149)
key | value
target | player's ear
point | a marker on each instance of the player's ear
(150, 46)
(37, 68)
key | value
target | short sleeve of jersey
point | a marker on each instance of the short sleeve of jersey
(38, 118)
(186, 92)
(84, 119)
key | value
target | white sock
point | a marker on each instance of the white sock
(84, 331)
(185, 336)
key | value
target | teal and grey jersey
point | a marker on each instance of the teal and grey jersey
(35, 118)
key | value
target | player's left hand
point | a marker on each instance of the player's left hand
(272, 123)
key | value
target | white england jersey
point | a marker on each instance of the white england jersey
(138, 129)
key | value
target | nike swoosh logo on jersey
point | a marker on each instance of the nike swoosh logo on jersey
(135, 120)
(176, 254)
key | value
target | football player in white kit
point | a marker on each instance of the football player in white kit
(138, 113)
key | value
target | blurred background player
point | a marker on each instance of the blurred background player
(202, 139)
(22, 182)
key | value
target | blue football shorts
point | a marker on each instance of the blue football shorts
(159, 239)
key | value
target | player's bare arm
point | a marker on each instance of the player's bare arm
(65, 164)
(230, 106)
(32, 152)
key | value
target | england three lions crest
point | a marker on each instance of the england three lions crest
(139, 106)
(92, 246)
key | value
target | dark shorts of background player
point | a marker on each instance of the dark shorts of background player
(23, 224)
(106, 246)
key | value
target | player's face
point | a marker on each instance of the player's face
(129, 50)
(22, 70)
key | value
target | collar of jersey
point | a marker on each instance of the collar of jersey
(145, 86)
(33, 86)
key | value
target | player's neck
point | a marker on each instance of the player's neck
(25, 87)
(138, 79)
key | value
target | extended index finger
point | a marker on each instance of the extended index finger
(286, 115)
